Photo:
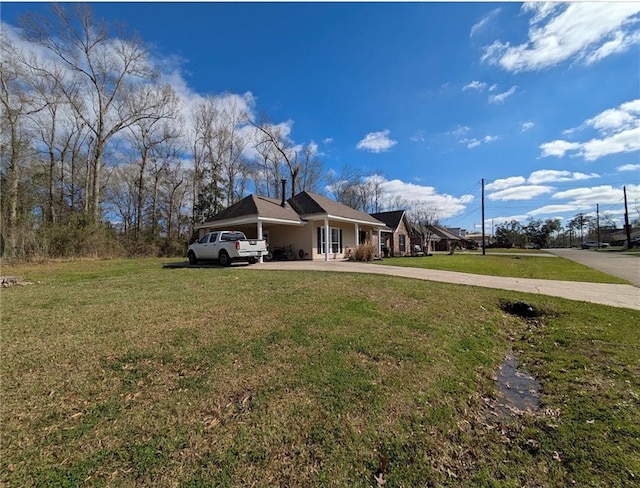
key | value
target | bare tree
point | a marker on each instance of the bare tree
(110, 74)
(310, 174)
(283, 151)
(230, 147)
(206, 153)
(266, 172)
(423, 217)
(17, 104)
(147, 136)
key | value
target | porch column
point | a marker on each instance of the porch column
(357, 235)
(260, 236)
(327, 239)
(379, 243)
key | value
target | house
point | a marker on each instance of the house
(444, 240)
(315, 226)
(397, 239)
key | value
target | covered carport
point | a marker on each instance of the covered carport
(258, 217)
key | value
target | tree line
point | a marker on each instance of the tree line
(551, 232)
(100, 156)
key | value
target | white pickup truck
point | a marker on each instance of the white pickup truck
(226, 246)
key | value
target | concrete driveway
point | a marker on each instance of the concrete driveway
(625, 296)
(623, 266)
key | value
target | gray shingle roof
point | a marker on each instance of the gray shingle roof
(391, 219)
(308, 204)
(260, 207)
(303, 205)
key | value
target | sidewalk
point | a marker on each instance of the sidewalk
(624, 296)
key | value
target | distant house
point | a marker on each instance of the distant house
(618, 237)
(397, 238)
(445, 240)
(315, 226)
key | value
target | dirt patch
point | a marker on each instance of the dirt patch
(521, 309)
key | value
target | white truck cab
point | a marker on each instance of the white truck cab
(226, 246)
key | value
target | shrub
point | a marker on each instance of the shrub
(365, 252)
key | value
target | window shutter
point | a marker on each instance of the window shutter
(319, 240)
(340, 241)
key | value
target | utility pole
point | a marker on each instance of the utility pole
(484, 243)
(598, 223)
(626, 218)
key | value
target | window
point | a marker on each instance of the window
(214, 237)
(336, 241)
(402, 243)
(335, 235)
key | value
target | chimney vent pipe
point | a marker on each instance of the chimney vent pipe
(284, 190)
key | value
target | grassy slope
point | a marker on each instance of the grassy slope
(122, 373)
(547, 268)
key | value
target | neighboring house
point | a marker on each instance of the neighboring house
(398, 236)
(618, 237)
(476, 238)
(444, 240)
(315, 226)
(422, 236)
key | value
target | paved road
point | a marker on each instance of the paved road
(625, 296)
(623, 266)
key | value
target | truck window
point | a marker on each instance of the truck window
(232, 236)
(204, 239)
(214, 237)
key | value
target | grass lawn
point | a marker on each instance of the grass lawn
(508, 265)
(124, 373)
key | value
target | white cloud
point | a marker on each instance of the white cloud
(628, 167)
(327, 140)
(504, 218)
(524, 192)
(603, 195)
(584, 31)
(483, 22)
(501, 97)
(616, 119)
(552, 176)
(558, 148)
(473, 142)
(460, 131)
(447, 205)
(503, 183)
(623, 142)
(618, 127)
(474, 85)
(418, 136)
(526, 126)
(555, 209)
(376, 142)
(620, 43)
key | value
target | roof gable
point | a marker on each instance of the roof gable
(443, 233)
(391, 219)
(308, 204)
(257, 206)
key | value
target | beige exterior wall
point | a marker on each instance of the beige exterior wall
(304, 237)
(401, 230)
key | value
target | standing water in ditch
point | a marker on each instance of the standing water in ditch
(518, 392)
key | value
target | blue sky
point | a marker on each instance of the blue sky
(541, 100)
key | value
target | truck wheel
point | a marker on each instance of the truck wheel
(192, 258)
(224, 259)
